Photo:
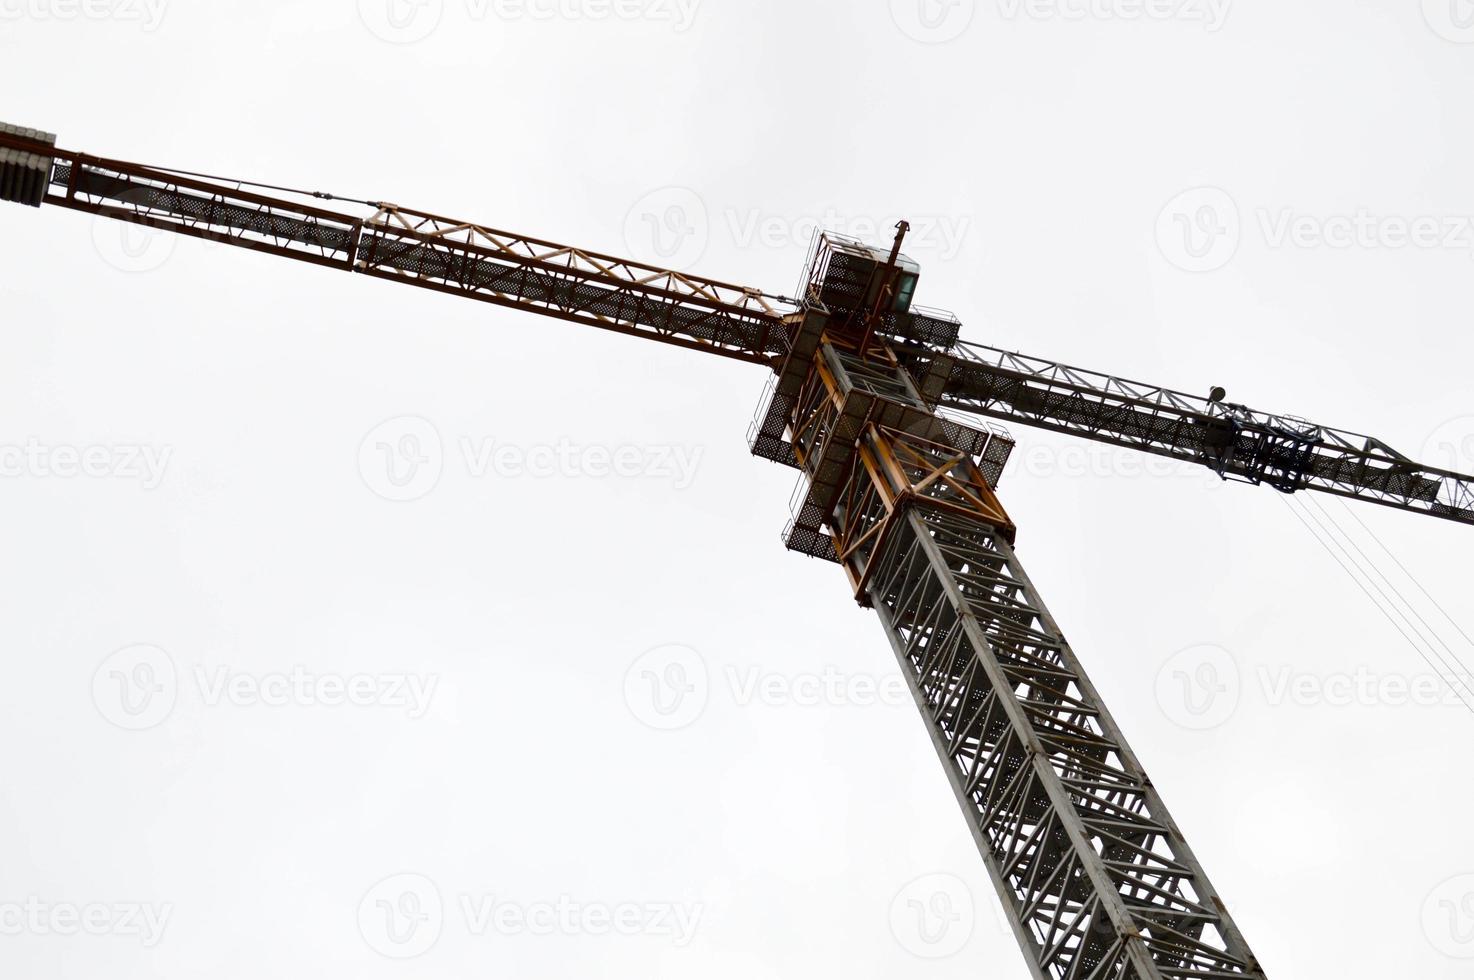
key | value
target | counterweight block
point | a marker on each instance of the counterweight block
(25, 168)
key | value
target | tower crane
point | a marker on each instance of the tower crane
(892, 421)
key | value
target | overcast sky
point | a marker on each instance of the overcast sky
(352, 629)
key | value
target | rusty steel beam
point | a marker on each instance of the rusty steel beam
(442, 254)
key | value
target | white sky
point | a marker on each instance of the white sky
(769, 837)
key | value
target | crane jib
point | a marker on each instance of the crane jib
(1236, 442)
(462, 258)
(686, 311)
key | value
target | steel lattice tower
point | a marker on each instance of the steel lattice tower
(881, 406)
(1096, 878)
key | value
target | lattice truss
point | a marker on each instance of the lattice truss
(438, 253)
(892, 469)
(1095, 876)
(1238, 442)
(559, 279)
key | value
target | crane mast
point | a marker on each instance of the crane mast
(885, 412)
(1095, 877)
